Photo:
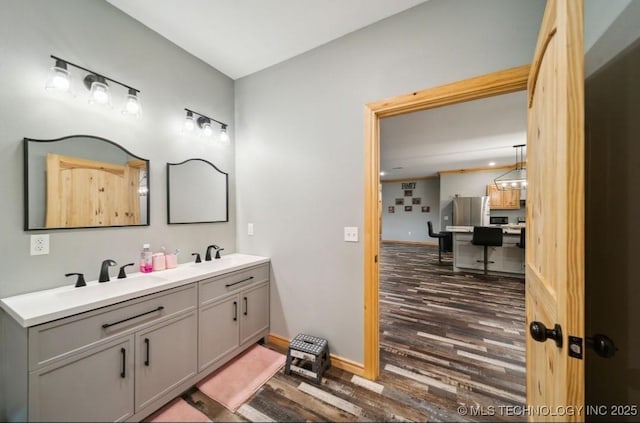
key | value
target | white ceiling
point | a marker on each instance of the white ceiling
(460, 136)
(240, 37)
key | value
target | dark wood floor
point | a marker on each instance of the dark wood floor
(447, 341)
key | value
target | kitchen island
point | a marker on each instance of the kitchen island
(507, 260)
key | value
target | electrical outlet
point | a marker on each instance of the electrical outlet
(351, 234)
(39, 244)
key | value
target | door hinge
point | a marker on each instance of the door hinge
(375, 258)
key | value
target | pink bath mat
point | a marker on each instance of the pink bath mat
(235, 382)
(177, 410)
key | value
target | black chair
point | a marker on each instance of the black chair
(523, 238)
(487, 237)
(440, 237)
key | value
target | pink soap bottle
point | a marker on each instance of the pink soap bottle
(146, 259)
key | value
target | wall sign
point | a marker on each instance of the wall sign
(408, 185)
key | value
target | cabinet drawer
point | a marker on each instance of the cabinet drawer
(212, 288)
(53, 340)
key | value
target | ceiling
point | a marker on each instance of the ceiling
(240, 37)
(459, 136)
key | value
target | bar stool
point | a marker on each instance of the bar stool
(487, 237)
(523, 238)
(440, 237)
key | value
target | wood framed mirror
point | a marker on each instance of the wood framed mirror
(197, 192)
(83, 181)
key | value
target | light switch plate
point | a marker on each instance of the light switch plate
(250, 229)
(351, 234)
(39, 244)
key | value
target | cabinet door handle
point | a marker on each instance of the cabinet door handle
(235, 283)
(246, 306)
(108, 325)
(148, 345)
(235, 311)
(123, 353)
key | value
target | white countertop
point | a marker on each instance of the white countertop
(39, 307)
(507, 230)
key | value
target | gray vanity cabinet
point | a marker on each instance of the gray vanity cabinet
(96, 385)
(255, 312)
(233, 312)
(123, 360)
(218, 331)
(165, 358)
(114, 363)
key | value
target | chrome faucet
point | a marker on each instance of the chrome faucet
(207, 257)
(104, 270)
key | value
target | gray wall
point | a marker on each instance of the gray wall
(410, 226)
(300, 147)
(98, 36)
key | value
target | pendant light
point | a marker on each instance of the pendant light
(514, 179)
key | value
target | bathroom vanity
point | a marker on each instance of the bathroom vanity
(118, 351)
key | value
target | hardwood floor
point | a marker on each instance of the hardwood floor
(447, 341)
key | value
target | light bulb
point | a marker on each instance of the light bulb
(503, 185)
(224, 136)
(132, 104)
(189, 123)
(205, 124)
(99, 91)
(514, 184)
(524, 183)
(206, 129)
(58, 79)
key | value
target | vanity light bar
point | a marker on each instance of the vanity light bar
(204, 123)
(95, 82)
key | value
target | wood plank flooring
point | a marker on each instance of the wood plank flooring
(447, 340)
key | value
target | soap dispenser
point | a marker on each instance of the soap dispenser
(146, 259)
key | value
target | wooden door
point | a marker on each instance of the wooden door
(555, 210)
(85, 193)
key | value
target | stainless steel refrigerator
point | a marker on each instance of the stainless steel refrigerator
(471, 211)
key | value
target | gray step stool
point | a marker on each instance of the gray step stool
(310, 350)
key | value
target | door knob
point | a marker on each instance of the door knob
(602, 345)
(540, 333)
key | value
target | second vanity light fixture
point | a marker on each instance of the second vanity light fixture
(204, 123)
(99, 92)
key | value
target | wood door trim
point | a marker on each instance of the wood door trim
(496, 83)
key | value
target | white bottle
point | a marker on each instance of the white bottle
(146, 259)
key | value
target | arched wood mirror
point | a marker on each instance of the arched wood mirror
(82, 181)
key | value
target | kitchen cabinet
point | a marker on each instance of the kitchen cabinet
(122, 360)
(234, 312)
(509, 199)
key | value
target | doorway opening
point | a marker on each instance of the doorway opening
(497, 83)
